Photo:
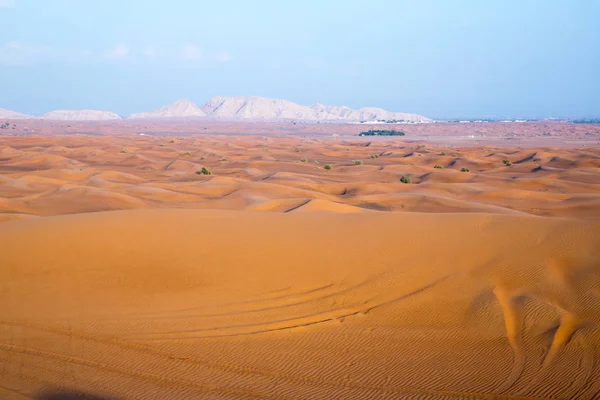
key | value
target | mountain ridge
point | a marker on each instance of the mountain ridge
(237, 108)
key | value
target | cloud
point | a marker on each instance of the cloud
(191, 52)
(149, 51)
(17, 53)
(223, 56)
(8, 3)
(118, 52)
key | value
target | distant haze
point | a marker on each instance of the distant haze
(440, 59)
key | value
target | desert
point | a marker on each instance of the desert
(185, 259)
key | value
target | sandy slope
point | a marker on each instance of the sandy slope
(221, 304)
(275, 278)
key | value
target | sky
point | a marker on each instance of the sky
(441, 59)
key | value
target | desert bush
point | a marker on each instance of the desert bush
(373, 156)
(555, 158)
(185, 153)
(304, 160)
(316, 161)
(357, 162)
(204, 171)
(223, 159)
(507, 163)
(327, 167)
(123, 150)
(405, 179)
(202, 158)
(438, 166)
(443, 153)
(297, 150)
(463, 169)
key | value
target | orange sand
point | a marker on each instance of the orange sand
(274, 278)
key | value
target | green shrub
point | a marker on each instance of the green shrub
(438, 166)
(373, 156)
(463, 169)
(443, 153)
(123, 150)
(204, 171)
(507, 163)
(223, 159)
(405, 179)
(357, 162)
(327, 167)
(304, 160)
(185, 153)
(555, 158)
(297, 150)
(202, 158)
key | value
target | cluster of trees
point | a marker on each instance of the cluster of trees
(374, 132)
(587, 121)
(5, 125)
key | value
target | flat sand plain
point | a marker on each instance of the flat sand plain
(125, 273)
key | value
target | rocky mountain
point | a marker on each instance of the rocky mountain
(80, 115)
(7, 114)
(254, 107)
(368, 114)
(180, 108)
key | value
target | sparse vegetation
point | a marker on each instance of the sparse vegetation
(357, 162)
(555, 158)
(223, 159)
(463, 169)
(443, 153)
(171, 141)
(185, 153)
(438, 166)
(405, 179)
(203, 171)
(297, 150)
(4, 125)
(202, 158)
(375, 132)
(327, 167)
(304, 160)
(373, 156)
(123, 150)
(507, 163)
(316, 161)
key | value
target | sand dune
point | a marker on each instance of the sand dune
(197, 304)
(126, 271)
(247, 170)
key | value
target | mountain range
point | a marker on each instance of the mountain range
(236, 108)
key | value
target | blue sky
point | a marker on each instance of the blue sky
(459, 58)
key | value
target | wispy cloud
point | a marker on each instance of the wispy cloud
(8, 3)
(19, 53)
(191, 52)
(120, 51)
(223, 56)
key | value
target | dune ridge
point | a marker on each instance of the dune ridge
(76, 173)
